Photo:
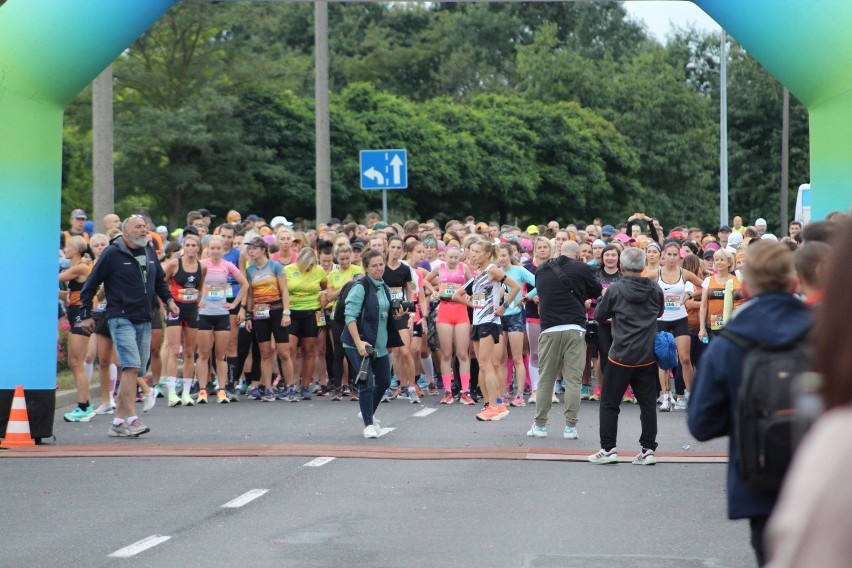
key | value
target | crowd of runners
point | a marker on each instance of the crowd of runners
(260, 309)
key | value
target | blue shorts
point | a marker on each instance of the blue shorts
(132, 342)
(516, 323)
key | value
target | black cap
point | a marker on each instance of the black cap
(708, 254)
(724, 229)
(357, 245)
(334, 221)
(190, 230)
(252, 218)
(258, 242)
(206, 213)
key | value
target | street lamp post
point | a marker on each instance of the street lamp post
(723, 130)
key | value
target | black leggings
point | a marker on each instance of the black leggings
(246, 341)
(604, 342)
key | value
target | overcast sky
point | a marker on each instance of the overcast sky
(659, 16)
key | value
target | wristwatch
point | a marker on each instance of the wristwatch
(285, 313)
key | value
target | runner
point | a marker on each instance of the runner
(267, 316)
(78, 338)
(721, 294)
(214, 325)
(399, 279)
(482, 294)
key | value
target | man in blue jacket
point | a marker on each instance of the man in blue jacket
(772, 316)
(132, 276)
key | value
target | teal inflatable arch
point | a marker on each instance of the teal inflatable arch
(51, 49)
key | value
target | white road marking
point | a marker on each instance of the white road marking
(318, 462)
(245, 498)
(386, 431)
(425, 412)
(140, 546)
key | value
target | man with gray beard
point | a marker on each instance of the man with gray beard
(132, 276)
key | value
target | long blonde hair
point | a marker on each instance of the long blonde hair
(306, 258)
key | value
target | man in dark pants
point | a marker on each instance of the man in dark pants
(634, 303)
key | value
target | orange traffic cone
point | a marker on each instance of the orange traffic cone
(18, 427)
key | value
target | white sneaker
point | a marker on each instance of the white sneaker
(570, 433)
(645, 457)
(104, 408)
(186, 398)
(537, 431)
(604, 457)
(112, 401)
(371, 432)
(681, 403)
(666, 405)
(150, 400)
(412, 396)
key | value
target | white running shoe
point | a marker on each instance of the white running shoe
(666, 405)
(371, 432)
(604, 457)
(150, 400)
(645, 457)
(104, 408)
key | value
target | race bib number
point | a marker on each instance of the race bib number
(216, 293)
(478, 300)
(320, 318)
(396, 294)
(187, 295)
(261, 311)
(717, 322)
(672, 301)
(448, 290)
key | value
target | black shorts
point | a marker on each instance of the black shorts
(495, 330)
(156, 320)
(303, 323)
(73, 313)
(214, 323)
(677, 327)
(516, 323)
(401, 323)
(188, 316)
(417, 330)
(235, 309)
(267, 328)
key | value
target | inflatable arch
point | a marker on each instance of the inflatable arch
(51, 49)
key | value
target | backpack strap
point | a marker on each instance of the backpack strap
(563, 277)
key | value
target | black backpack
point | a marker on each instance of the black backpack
(768, 424)
(339, 315)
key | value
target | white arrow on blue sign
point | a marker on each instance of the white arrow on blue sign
(384, 169)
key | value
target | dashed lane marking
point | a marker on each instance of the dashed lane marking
(425, 412)
(319, 462)
(245, 498)
(386, 431)
(140, 546)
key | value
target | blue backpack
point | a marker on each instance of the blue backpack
(666, 350)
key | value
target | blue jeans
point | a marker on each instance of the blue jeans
(132, 342)
(371, 391)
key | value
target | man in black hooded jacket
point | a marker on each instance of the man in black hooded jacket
(634, 303)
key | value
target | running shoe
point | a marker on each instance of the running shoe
(80, 415)
(401, 394)
(412, 396)
(268, 395)
(488, 415)
(174, 399)
(518, 401)
(353, 397)
(537, 431)
(570, 433)
(133, 430)
(336, 396)
(283, 394)
(531, 399)
(159, 390)
(645, 457)
(150, 400)
(244, 387)
(255, 394)
(222, 397)
(394, 384)
(666, 405)
(186, 398)
(104, 408)
(502, 410)
(628, 396)
(555, 398)
(371, 432)
(560, 387)
(345, 391)
(315, 388)
(193, 387)
(466, 399)
(448, 398)
(422, 384)
(232, 393)
(293, 394)
(202, 397)
(604, 457)
(681, 403)
(323, 391)
(433, 389)
(596, 394)
(306, 393)
(387, 396)
(585, 392)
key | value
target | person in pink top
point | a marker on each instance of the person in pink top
(214, 324)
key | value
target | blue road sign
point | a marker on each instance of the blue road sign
(384, 169)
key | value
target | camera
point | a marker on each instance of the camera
(591, 331)
(404, 305)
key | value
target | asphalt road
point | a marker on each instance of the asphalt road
(365, 512)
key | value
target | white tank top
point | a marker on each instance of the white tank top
(673, 297)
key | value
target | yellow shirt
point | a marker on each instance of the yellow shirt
(304, 287)
(337, 279)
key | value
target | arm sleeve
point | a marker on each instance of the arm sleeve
(354, 301)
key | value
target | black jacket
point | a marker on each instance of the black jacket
(557, 304)
(634, 304)
(127, 295)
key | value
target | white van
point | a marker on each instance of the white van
(803, 204)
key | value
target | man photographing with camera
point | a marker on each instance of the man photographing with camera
(565, 286)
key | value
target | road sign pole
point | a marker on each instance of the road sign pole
(385, 206)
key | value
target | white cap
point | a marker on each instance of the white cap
(279, 220)
(761, 222)
(162, 229)
(769, 237)
(735, 239)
